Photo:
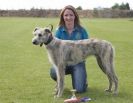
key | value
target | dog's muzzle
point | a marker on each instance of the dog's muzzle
(35, 42)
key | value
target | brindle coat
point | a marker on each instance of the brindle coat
(66, 52)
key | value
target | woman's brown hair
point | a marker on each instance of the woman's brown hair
(76, 21)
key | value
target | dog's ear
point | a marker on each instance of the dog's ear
(50, 26)
(36, 29)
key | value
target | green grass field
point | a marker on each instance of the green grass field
(24, 68)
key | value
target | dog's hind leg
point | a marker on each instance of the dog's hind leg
(116, 85)
(114, 78)
(111, 72)
(107, 66)
(110, 84)
(100, 63)
(103, 67)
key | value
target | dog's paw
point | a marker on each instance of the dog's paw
(108, 90)
(57, 96)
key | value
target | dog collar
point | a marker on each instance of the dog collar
(49, 40)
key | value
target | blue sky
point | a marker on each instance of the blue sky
(58, 4)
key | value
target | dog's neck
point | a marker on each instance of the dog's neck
(49, 39)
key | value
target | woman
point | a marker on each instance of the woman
(70, 29)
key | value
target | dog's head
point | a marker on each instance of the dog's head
(42, 35)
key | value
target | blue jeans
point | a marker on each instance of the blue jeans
(78, 74)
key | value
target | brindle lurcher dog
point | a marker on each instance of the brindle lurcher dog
(66, 52)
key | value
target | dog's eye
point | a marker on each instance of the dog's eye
(39, 35)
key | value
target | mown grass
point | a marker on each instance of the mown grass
(24, 68)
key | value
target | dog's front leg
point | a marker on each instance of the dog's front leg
(60, 80)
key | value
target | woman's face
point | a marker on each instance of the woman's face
(69, 17)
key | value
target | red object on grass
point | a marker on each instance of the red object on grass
(72, 100)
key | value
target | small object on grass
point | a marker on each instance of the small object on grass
(85, 99)
(73, 93)
(72, 100)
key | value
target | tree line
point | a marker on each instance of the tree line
(104, 13)
(122, 6)
(116, 11)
